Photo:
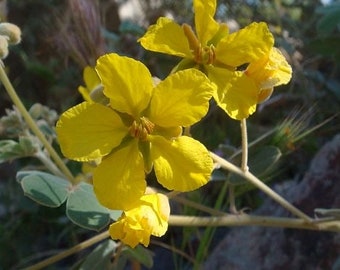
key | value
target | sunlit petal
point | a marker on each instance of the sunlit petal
(205, 24)
(89, 131)
(127, 83)
(236, 93)
(137, 224)
(119, 180)
(271, 70)
(182, 164)
(181, 99)
(245, 45)
(168, 37)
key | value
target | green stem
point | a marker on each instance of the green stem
(70, 251)
(244, 134)
(250, 220)
(33, 126)
(48, 163)
(259, 184)
(198, 206)
(244, 164)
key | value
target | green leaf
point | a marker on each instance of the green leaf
(100, 257)
(115, 214)
(218, 175)
(140, 254)
(327, 46)
(9, 150)
(329, 21)
(44, 188)
(83, 208)
(260, 164)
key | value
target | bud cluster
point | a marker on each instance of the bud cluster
(10, 34)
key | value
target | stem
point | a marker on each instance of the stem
(198, 206)
(244, 134)
(244, 163)
(249, 220)
(254, 142)
(70, 251)
(33, 126)
(259, 184)
(49, 164)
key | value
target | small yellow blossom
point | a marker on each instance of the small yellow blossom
(136, 225)
(269, 71)
(139, 130)
(215, 52)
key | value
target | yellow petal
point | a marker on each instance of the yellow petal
(182, 99)
(205, 24)
(271, 70)
(119, 180)
(158, 220)
(168, 37)
(130, 236)
(245, 45)
(152, 213)
(91, 80)
(89, 131)
(127, 83)
(137, 224)
(236, 93)
(90, 77)
(85, 93)
(182, 164)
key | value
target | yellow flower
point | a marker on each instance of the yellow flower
(138, 130)
(136, 225)
(93, 89)
(269, 71)
(215, 52)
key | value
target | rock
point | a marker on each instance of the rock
(263, 248)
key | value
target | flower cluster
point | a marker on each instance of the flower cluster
(220, 55)
(129, 124)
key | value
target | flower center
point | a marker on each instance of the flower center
(202, 54)
(205, 55)
(140, 129)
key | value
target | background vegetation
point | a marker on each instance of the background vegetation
(61, 37)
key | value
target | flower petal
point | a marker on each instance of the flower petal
(236, 93)
(168, 37)
(89, 131)
(182, 99)
(183, 164)
(91, 78)
(137, 224)
(127, 83)
(205, 24)
(271, 70)
(245, 45)
(128, 232)
(153, 213)
(119, 180)
(158, 219)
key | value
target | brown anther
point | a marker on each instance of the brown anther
(141, 129)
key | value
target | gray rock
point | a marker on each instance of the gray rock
(275, 248)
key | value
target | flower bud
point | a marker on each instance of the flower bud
(3, 47)
(11, 31)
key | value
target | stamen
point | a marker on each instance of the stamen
(142, 128)
(194, 43)
(202, 55)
